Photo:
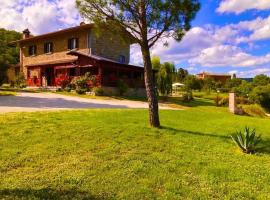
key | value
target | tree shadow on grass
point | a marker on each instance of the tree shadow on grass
(47, 194)
(223, 137)
(195, 103)
(263, 147)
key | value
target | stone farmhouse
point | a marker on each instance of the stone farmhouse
(214, 76)
(48, 59)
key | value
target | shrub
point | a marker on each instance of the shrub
(81, 83)
(246, 141)
(187, 97)
(122, 87)
(64, 83)
(261, 95)
(98, 91)
(242, 100)
(81, 90)
(221, 101)
(6, 85)
(254, 110)
(20, 81)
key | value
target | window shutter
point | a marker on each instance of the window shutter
(45, 49)
(77, 43)
(35, 50)
(51, 47)
(69, 44)
(30, 51)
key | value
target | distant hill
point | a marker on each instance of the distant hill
(247, 79)
(8, 54)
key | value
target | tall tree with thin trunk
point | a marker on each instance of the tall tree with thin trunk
(144, 22)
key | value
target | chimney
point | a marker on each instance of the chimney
(26, 33)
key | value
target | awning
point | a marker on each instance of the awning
(65, 67)
(86, 66)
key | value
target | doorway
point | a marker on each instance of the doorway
(49, 76)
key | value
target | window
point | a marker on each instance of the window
(122, 59)
(32, 50)
(48, 47)
(73, 43)
(72, 72)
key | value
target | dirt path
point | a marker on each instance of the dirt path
(29, 102)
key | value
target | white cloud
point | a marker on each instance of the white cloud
(39, 16)
(259, 28)
(239, 6)
(214, 46)
(194, 41)
(226, 55)
(254, 72)
(136, 55)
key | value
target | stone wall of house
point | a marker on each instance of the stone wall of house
(104, 44)
(60, 49)
(109, 45)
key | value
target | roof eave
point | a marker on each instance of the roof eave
(85, 26)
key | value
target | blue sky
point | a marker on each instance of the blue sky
(227, 36)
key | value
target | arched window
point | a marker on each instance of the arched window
(122, 59)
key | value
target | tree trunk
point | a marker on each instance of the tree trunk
(150, 88)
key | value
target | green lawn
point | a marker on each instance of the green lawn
(114, 154)
(7, 92)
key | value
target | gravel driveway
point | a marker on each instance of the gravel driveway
(29, 102)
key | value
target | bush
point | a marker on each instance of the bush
(246, 141)
(20, 81)
(81, 83)
(187, 97)
(98, 91)
(261, 95)
(122, 87)
(221, 101)
(64, 83)
(254, 110)
(81, 91)
(6, 85)
(242, 100)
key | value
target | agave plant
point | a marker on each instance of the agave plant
(246, 141)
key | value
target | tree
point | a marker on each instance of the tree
(261, 95)
(182, 73)
(164, 78)
(192, 83)
(145, 22)
(233, 83)
(8, 54)
(156, 62)
(261, 80)
(208, 84)
(244, 89)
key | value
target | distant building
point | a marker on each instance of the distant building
(216, 77)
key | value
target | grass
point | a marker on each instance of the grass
(114, 154)
(211, 95)
(5, 92)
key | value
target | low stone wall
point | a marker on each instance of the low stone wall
(140, 92)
